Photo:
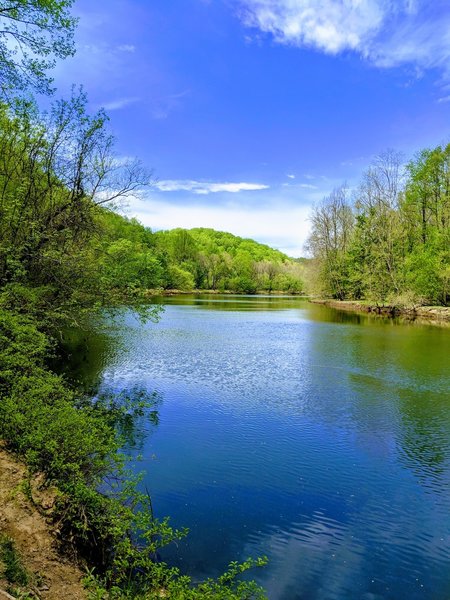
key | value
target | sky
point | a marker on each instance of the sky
(249, 112)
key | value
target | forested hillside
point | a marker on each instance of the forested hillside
(130, 255)
(388, 240)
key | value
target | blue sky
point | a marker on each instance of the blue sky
(249, 111)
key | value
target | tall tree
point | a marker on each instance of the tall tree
(427, 199)
(332, 226)
(33, 34)
(426, 213)
(56, 171)
(379, 224)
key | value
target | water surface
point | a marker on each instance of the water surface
(318, 438)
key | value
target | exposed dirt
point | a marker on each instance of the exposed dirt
(55, 577)
(437, 315)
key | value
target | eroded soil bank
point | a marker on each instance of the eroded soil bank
(433, 314)
(52, 577)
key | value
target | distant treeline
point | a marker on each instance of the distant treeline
(192, 259)
(388, 240)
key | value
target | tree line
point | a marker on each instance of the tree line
(202, 259)
(389, 240)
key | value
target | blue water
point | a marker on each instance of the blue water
(320, 439)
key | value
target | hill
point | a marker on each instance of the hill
(192, 259)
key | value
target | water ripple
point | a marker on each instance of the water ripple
(321, 442)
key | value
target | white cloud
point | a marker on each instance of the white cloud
(304, 186)
(444, 99)
(162, 107)
(329, 25)
(119, 103)
(202, 187)
(282, 225)
(290, 176)
(126, 48)
(387, 33)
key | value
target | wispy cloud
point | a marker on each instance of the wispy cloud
(386, 33)
(126, 48)
(163, 106)
(304, 186)
(119, 103)
(329, 25)
(290, 176)
(205, 187)
(443, 99)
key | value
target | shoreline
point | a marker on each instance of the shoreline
(439, 315)
(161, 292)
(52, 575)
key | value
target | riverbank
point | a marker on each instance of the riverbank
(201, 292)
(50, 576)
(433, 314)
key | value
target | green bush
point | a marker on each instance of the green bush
(243, 285)
(179, 279)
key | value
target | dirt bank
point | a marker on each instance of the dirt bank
(54, 577)
(432, 314)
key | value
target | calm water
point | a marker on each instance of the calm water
(320, 439)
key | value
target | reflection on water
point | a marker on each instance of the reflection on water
(317, 437)
(133, 412)
(233, 303)
(84, 354)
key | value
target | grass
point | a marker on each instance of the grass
(13, 570)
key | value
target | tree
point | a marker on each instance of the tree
(332, 226)
(394, 246)
(266, 272)
(33, 34)
(427, 198)
(426, 213)
(57, 172)
(379, 236)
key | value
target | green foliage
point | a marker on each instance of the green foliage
(427, 274)
(33, 34)
(131, 257)
(243, 284)
(221, 261)
(127, 265)
(178, 278)
(56, 258)
(396, 243)
(13, 570)
(170, 584)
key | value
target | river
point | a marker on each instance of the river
(316, 437)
